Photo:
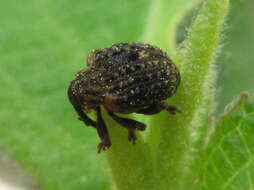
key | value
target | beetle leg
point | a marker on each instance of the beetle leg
(152, 109)
(130, 124)
(83, 117)
(77, 106)
(156, 108)
(171, 109)
(89, 122)
(102, 132)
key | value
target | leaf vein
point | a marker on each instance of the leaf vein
(230, 179)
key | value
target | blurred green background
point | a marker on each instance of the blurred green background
(44, 43)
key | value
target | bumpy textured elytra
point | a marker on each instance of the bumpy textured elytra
(124, 78)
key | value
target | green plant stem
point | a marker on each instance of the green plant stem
(131, 165)
(177, 142)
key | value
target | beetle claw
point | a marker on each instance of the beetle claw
(132, 137)
(103, 146)
(173, 110)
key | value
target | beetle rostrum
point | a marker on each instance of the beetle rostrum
(124, 78)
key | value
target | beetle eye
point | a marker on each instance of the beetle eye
(133, 57)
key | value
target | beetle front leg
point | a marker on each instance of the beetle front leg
(89, 122)
(102, 132)
(130, 124)
(78, 108)
(156, 108)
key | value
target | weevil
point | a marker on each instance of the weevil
(124, 78)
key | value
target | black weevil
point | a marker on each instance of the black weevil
(124, 78)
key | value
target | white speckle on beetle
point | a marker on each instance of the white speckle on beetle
(131, 79)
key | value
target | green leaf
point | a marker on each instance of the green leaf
(228, 155)
(43, 44)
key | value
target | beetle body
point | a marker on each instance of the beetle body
(124, 78)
